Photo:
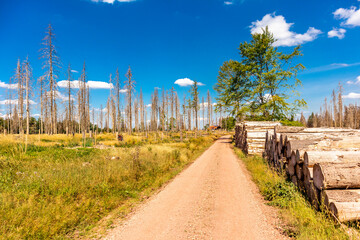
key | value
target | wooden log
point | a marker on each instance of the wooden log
(336, 175)
(299, 171)
(298, 157)
(346, 211)
(313, 194)
(289, 129)
(261, 123)
(308, 174)
(292, 163)
(294, 180)
(312, 157)
(328, 130)
(341, 195)
(257, 135)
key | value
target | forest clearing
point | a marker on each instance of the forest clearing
(58, 187)
(143, 119)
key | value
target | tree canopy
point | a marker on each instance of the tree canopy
(262, 85)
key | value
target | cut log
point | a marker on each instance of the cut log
(336, 175)
(313, 194)
(341, 195)
(346, 211)
(289, 129)
(292, 163)
(308, 174)
(299, 171)
(312, 157)
(294, 180)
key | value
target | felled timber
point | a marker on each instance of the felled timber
(312, 157)
(336, 175)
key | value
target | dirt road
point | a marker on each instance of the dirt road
(212, 199)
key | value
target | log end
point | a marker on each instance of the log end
(318, 177)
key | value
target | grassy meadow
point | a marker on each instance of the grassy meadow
(60, 189)
(301, 220)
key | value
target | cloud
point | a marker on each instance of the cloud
(123, 90)
(148, 105)
(351, 16)
(112, 1)
(281, 31)
(335, 32)
(357, 81)
(14, 102)
(90, 84)
(64, 97)
(184, 82)
(329, 67)
(74, 71)
(352, 95)
(228, 3)
(8, 86)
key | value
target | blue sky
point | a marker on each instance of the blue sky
(167, 40)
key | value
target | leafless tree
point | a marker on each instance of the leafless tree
(130, 84)
(51, 64)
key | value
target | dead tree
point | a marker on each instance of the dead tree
(130, 88)
(27, 78)
(51, 64)
(117, 88)
(101, 117)
(340, 105)
(141, 103)
(209, 107)
(70, 110)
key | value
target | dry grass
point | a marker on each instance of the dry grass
(57, 187)
(302, 221)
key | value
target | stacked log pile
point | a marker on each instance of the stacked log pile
(250, 136)
(322, 162)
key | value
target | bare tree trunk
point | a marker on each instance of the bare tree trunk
(141, 103)
(69, 119)
(130, 88)
(118, 120)
(209, 108)
(27, 83)
(340, 105)
(101, 117)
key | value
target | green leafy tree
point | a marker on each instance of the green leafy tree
(263, 84)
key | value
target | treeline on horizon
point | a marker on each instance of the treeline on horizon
(74, 113)
(334, 113)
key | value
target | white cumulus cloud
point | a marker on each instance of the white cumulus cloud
(112, 1)
(281, 31)
(352, 95)
(8, 86)
(14, 102)
(90, 84)
(350, 15)
(357, 81)
(335, 32)
(228, 3)
(123, 90)
(184, 82)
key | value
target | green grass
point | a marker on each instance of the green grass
(55, 192)
(300, 219)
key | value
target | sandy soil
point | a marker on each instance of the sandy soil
(212, 199)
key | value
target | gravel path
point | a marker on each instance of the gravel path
(214, 198)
